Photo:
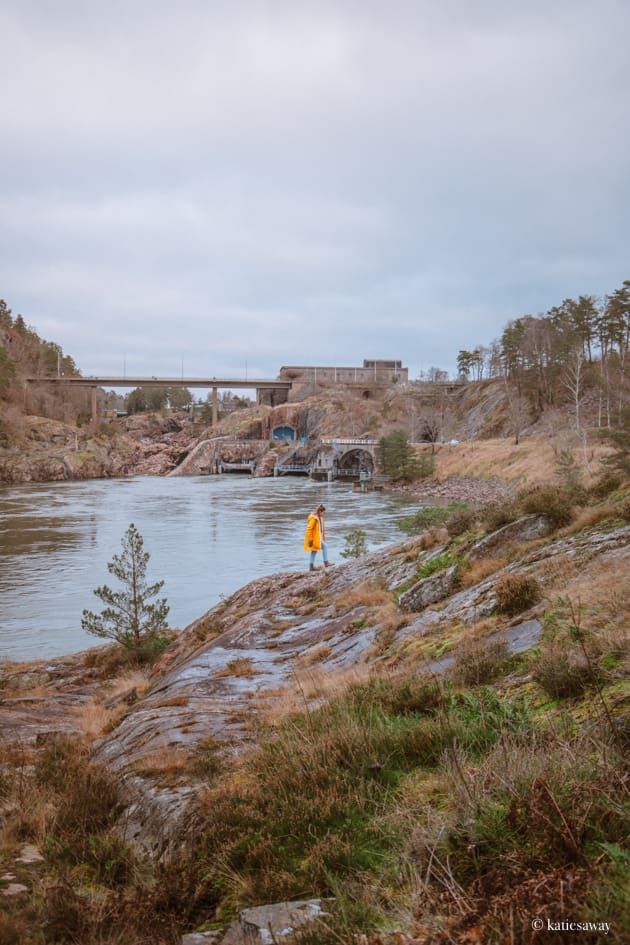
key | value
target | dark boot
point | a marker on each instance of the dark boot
(312, 567)
(327, 564)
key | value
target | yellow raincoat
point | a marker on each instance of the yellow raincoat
(314, 534)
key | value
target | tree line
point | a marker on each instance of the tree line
(22, 351)
(554, 358)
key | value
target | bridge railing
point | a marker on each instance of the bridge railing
(348, 441)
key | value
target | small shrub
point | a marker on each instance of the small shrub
(461, 520)
(516, 593)
(562, 673)
(480, 661)
(496, 515)
(556, 504)
(356, 544)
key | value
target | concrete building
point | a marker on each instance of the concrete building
(373, 376)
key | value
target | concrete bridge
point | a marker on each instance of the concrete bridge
(345, 458)
(272, 392)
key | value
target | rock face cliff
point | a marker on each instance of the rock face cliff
(51, 451)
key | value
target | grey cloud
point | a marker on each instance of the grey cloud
(307, 181)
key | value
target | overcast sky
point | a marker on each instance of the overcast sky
(220, 184)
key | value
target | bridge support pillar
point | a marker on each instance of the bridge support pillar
(215, 405)
(94, 408)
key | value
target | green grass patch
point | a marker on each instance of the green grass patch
(439, 563)
(311, 802)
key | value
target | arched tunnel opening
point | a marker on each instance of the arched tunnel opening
(355, 462)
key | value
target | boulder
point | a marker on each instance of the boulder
(528, 528)
(429, 590)
(17, 889)
(268, 925)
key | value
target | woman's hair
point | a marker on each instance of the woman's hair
(320, 508)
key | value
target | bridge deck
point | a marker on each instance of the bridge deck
(223, 382)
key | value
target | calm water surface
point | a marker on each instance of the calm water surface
(207, 536)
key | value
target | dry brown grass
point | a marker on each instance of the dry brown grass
(366, 595)
(433, 536)
(312, 686)
(134, 679)
(163, 762)
(588, 517)
(387, 620)
(316, 655)
(602, 591)
(556, 573)
(533, 461)
(242, 666)
(481, 569)
(516, 592)
(278, 627)
(603, 584)
(94, 720)
(27, 810)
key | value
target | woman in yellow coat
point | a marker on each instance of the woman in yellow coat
(315, 538)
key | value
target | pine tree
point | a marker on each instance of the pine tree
(128, 618)
(399, 460)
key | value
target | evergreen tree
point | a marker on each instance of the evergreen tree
(7, 368)
(356, 544)
(128, 618)
(6, 320)
(399, 460)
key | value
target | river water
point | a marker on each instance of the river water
(206, 535)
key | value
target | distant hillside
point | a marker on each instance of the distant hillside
(24, 353)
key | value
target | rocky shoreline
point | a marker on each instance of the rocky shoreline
(470, 489)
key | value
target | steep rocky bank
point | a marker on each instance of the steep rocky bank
(51, 451)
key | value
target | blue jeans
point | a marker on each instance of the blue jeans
(324, 553)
